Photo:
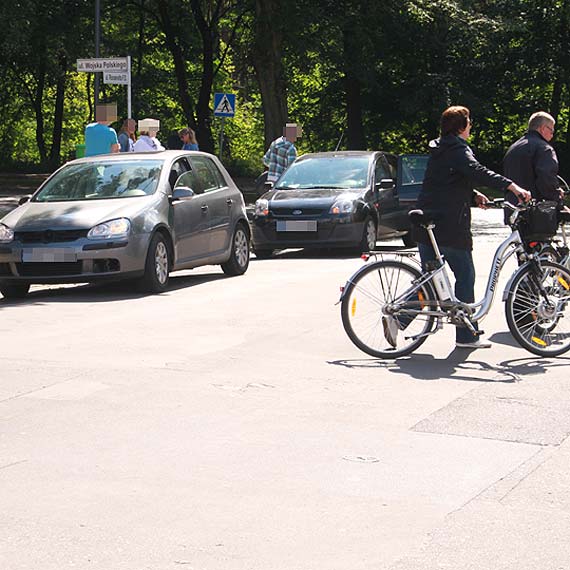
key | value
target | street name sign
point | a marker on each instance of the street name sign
(116, 78)
(103, 64)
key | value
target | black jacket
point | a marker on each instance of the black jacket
(532, 163)
(451, 174)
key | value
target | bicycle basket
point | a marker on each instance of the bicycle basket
(540, 221)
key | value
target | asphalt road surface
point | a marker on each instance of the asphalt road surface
(229, 424)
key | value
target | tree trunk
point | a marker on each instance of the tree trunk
(209, 34)
(353, 53)
(179, 64)
(38, 107)
(267, 60)
(55, 152)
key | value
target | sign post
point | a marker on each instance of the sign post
(115, 71)
(224, 106)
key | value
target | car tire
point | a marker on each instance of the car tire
(14, 289)
(369, 237)
(408, 240)
(263, 253)
(157, 266)
(238, 262)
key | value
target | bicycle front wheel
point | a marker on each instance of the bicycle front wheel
(538, 320)
(368, 323)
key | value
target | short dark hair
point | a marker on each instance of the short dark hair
(454, 120)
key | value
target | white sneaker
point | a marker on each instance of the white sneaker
(391, 329)
(474, 344)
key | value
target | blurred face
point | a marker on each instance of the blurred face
(185, 138)
(547, 131)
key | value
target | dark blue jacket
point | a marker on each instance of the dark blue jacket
(452, 173)
(532, 163)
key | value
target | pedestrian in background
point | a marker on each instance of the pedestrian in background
(147, 141)
(127, 136)
(282, 152)
(100, 138)
(532, 163)
(188, 137)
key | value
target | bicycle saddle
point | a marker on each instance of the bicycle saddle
(424, 218)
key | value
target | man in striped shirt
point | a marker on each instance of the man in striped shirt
(281, 152)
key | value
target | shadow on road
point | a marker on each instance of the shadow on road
(457, 367)
(104, 293)
(332, 253)
(309, 254)
(505, 338)
(427, 367)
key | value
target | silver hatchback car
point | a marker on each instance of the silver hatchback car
(125, 216)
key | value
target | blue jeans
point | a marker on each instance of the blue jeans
(461, 263)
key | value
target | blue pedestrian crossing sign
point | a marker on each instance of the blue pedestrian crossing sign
(224, 104)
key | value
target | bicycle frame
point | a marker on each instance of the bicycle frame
(477, 310)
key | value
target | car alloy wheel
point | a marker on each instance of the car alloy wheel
(368, 242)
(238, 261)
(161, 262)
(157, 266)
(241, 247)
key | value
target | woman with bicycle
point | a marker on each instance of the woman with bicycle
(447, 190)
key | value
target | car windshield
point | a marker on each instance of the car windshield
(102, 180)
(327, 172)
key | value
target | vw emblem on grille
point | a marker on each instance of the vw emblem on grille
(297, 212)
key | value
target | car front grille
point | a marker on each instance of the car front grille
(60, 269)
(50, 236)
(304, 212)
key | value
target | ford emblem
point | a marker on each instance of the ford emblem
(297, 212)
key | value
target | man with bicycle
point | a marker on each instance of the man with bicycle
(532, 162)
(448, 189)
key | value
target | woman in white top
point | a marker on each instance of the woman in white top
(147, 141)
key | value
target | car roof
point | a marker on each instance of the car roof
(119, 156)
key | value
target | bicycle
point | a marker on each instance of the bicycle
(556, 249)
(391, 306)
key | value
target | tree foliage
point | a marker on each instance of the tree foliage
(356, 74)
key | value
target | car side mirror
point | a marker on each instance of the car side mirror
(24, 199)
(181, 193)
(385, 184)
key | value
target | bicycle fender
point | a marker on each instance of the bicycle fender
(511, 279)
(358, 272)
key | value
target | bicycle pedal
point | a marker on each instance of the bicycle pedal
(479, 333)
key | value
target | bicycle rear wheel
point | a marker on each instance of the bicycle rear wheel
(365, 319)
(540, 323)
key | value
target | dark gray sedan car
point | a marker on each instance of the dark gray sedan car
(125, 216)
(345, 199)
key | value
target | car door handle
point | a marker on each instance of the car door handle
(204, 208)
(229, 201)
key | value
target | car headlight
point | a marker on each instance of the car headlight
(6, 234)
(342, 206)
(262, 207)
(111, 229)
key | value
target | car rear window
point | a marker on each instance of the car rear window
(100, 180)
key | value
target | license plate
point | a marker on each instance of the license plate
(48, 254)
(296, 225)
